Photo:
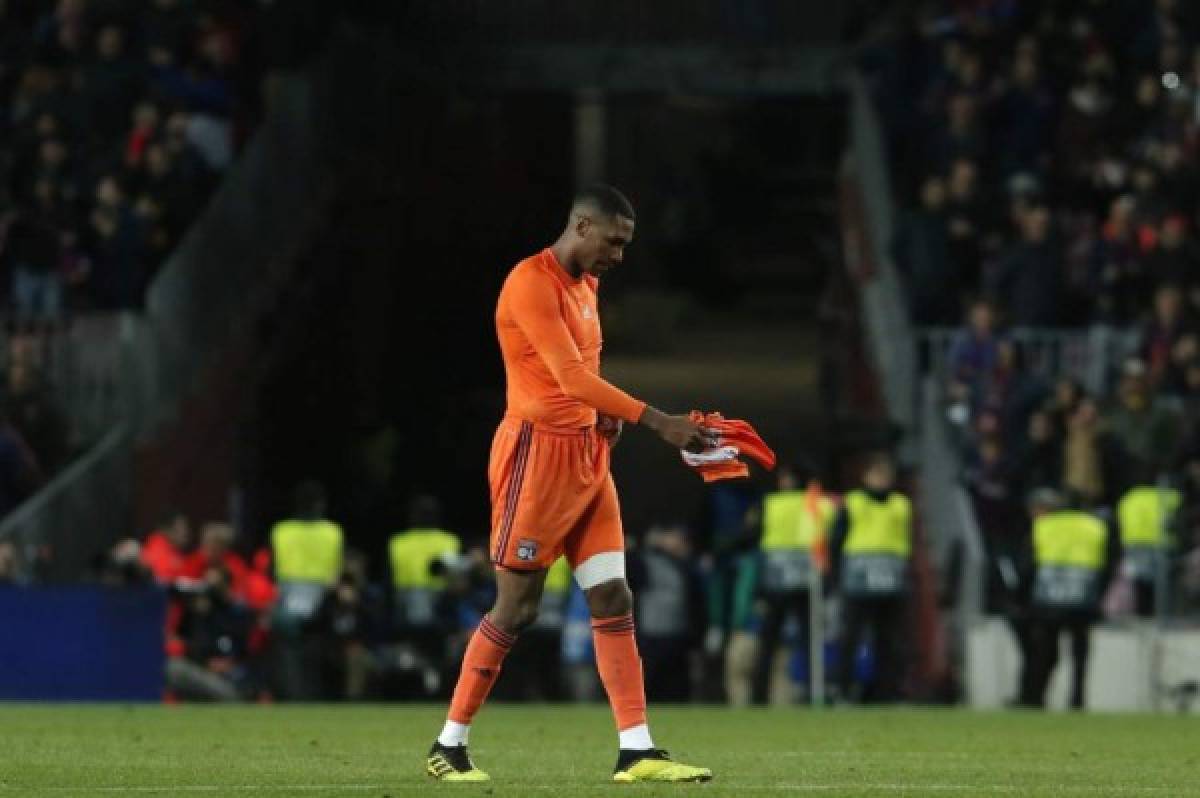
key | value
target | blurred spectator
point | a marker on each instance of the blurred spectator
(1011, 390)
(871, 547)
(1024, 115)
(1118, 281)
(1039, 458)
(967, 224)
(973, 357)
(1169, 340)
(1175, 261)
(121, 566)
(922, 251)
(731, 577)
(32, 254)
(1084, 454)
(114, 241)
(1142, 427)
(796, 522)
(8, 562)
(342, 627)
(1062, 404)
(166, 548)
(670, 611)
(214, 629)
(960, 136)
(991, 479)
(20, 473)
(215, 551)
(34, 410)
(1028, 277)
(111, 83)
(741, 644)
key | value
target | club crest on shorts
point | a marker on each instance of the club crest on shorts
(526, 549)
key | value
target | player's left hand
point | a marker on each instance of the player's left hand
(610, 428)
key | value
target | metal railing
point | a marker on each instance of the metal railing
(58, 530)
(1092, 356)
(889, 333)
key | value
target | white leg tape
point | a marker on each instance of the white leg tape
(600, 568)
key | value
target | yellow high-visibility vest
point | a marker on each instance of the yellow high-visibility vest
(1069, 538)
(413, 552)
(558, 578)
(1143, 514)
(878, 527)
(788, 522)
(307, 551)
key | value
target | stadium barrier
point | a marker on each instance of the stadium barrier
(82, 643)
(1134, 667)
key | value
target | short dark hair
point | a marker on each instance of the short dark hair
(605, 199)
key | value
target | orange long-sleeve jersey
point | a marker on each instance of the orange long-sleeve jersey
(549, 331)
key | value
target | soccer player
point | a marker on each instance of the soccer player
(551, 490)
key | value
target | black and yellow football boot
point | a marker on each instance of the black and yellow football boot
(453, 763)
(654, 764)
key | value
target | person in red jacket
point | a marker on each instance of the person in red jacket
(166, 548)
(216, 540)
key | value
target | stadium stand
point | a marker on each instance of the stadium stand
(1046, 180)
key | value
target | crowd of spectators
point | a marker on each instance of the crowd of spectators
(118, 119)
(1049, 157)
(1047, 172)
(1020, 429)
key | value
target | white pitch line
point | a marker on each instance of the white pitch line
(870, 787)
(202, 788)
(931, 754)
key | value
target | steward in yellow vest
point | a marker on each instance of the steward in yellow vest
(1071, 559)
(870, 550)
(797, 519)
(1145, 518)
(307, 554)
(421, 559)
(306, 551)
(1074, 557)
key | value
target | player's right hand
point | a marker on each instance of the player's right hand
(679, 431)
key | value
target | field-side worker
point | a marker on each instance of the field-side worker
(796, 521)
(871, 547)
(1144, 516)
(419, 557)
(1074, 557)
(307, 553)
(670, 609)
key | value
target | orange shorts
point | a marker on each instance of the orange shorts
(552, 494)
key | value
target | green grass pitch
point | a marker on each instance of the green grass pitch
(378, 751)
